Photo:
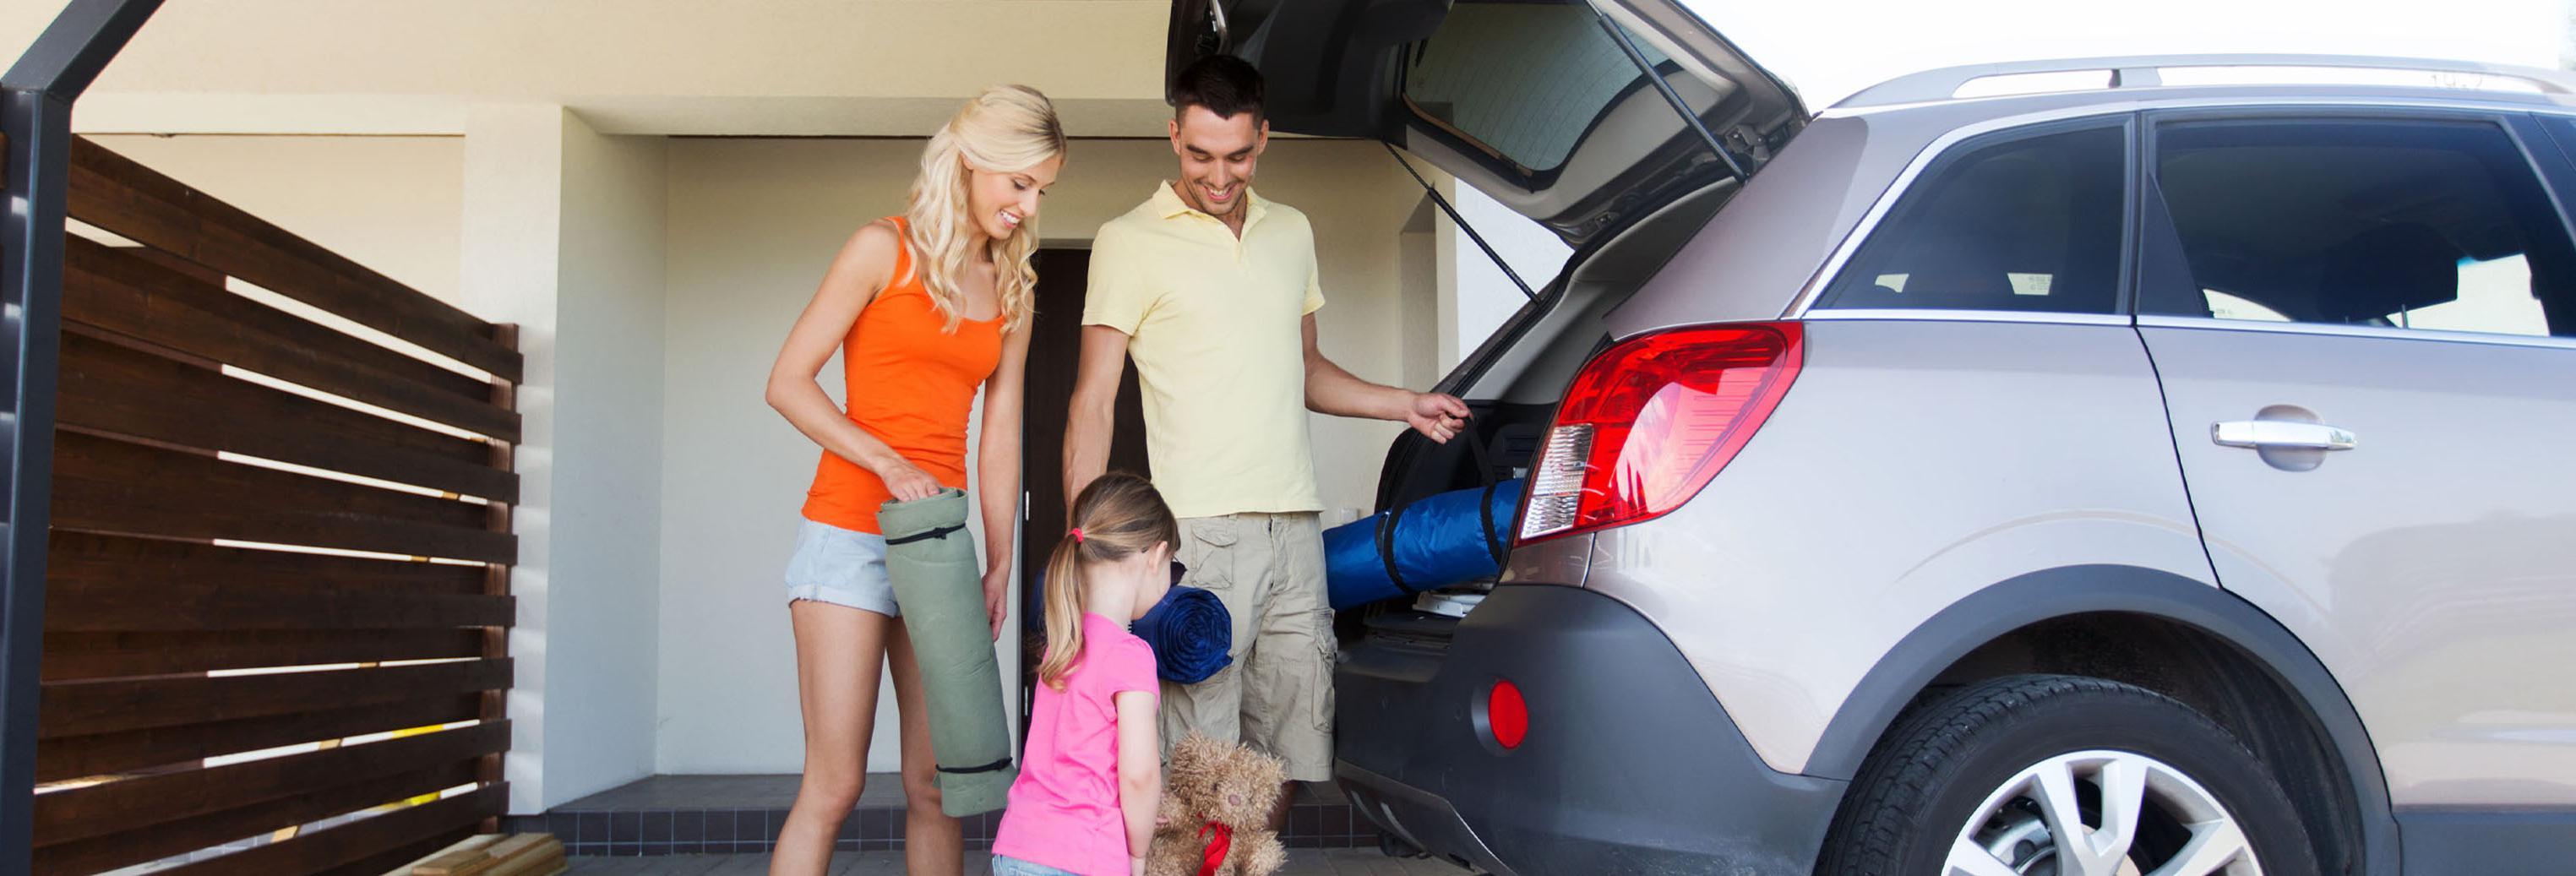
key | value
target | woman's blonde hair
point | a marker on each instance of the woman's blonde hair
(1006, 129)
(1118, 516)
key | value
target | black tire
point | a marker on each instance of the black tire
(1916, 791)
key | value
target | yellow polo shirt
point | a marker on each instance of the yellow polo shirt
(1212, 321)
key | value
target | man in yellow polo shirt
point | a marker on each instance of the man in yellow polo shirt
(1212, 291)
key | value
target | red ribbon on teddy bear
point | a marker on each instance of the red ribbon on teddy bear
(1216, 848)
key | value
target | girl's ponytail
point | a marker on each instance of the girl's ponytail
(1118, 516)
(1063, 613)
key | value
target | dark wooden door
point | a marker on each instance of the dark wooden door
(1055, 345)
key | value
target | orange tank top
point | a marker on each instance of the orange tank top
(910, 383)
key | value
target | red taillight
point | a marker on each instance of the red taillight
(1506, 715)
(1651, 420)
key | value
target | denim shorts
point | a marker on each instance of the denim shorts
(841, 567)
(1009, 866)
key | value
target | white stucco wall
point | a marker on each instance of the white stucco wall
(608, 465)
(562, 235)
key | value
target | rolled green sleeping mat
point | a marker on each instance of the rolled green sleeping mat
(930, 558)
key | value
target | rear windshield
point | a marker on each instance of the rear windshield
(1522, 80)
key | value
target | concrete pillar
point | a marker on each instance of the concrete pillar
(563, 233)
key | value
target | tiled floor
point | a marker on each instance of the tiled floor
(716, 815)
(1301, 862)
(777, 791)
(727, 792)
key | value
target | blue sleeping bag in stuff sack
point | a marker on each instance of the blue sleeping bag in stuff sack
(1191, 633)
(1438, 541)
(1190, 630)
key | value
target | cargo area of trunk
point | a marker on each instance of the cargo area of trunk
(1513, 384)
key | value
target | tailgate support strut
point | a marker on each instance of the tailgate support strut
(1461, 222)
(1629, 45)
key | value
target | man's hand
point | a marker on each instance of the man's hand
(997, 591)
(1437, 416)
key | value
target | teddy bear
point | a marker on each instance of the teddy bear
(1215, 814)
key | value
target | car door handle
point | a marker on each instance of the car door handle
(2281, 434)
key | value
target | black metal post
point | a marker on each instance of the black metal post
(36, 113)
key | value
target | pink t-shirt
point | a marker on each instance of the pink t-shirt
(1064, 808)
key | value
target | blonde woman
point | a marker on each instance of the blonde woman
(924, 308)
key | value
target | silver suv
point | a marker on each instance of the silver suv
(2157, 477)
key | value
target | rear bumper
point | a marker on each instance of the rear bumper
(1630, 765)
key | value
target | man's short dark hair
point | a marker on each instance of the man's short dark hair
(1225, 84)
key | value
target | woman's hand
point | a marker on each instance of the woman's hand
(997, 591)
(906, 481)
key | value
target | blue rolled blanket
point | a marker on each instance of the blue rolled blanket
(1438, 541)
(1191, 633)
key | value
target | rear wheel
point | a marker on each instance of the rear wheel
(2054, 775)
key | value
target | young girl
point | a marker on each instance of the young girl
(1093, 773)
(923, 308)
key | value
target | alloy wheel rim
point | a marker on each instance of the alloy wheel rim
(2083, 814)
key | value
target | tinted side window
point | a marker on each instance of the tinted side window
(2030, 224)
(2397, 224)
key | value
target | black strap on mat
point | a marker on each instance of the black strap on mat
(1002, 764)
(926, 535)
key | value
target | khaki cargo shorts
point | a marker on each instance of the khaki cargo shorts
(1277, 695)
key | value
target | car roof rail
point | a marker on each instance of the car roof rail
(2140, 71)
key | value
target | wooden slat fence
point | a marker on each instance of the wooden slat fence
(190, 620)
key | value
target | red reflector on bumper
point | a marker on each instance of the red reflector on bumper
(1507, 715)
